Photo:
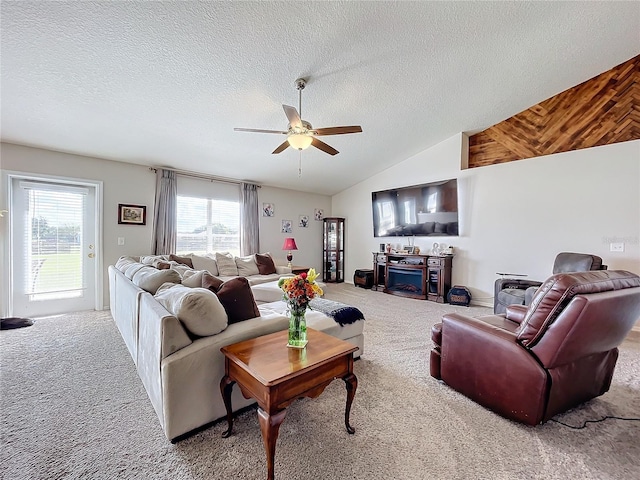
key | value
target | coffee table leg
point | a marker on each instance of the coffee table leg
(226, 385)
(270, 426)
(351, 382)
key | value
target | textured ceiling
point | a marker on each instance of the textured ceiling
(165, 83)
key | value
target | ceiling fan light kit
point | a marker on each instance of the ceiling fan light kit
(300, 141)
(300, 134)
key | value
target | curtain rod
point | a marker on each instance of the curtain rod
(211, 178)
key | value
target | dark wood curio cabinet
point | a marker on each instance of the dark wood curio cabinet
(333, 250)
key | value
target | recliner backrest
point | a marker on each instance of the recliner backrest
(556, 293)
(566, 262)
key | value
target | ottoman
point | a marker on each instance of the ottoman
(270, 292)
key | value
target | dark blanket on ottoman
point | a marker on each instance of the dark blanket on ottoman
(340, 312)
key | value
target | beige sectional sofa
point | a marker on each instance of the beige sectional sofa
(181, 371)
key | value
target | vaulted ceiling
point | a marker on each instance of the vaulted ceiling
(165, 83)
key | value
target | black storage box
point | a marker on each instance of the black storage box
(459, 295)
(363, 278)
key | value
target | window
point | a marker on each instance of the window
(53, 254)
(207, 225)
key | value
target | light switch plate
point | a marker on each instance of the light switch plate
(120, 240)
(616, 247)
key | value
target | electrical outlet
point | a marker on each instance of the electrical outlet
(616, 247)
(120, 240)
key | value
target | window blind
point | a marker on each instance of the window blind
(53, 240)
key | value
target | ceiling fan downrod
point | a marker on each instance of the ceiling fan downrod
(300, 84)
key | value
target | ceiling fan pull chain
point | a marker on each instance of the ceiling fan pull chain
(300, 163)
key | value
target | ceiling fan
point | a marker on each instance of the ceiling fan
(300, 134)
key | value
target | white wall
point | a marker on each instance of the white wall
(289, 205)
(135, 184)
(514, 217)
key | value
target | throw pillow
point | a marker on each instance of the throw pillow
(193, 278)
(198, 309)
(236, 297)
(150, 278)
(183, 260)
(124, 262)
(210, 282)
(151, 259)
(205, 263)
(226, 265)
(265, 263)
(247, 266)
(161, 265)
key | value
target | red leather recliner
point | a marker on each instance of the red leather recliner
(534, 362)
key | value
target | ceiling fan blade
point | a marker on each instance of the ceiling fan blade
(323, 146)
(258, 130)
(337, 130)
(293, 116)
(282, 147)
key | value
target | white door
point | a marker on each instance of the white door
(53, 247)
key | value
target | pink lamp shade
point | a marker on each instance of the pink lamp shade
(289, 244)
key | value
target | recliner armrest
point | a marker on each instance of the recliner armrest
(516, 313)
(502, 283)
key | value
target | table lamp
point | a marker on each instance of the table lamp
(289, 244)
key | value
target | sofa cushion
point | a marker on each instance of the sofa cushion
(246, 266)
(440, 228)
(237, 298)
(198, 309)
(183, 260)
(226, 264)
(265, 263)
(427, 227)
(150, 278)
(205, 262)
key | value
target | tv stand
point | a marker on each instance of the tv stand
(426, 277)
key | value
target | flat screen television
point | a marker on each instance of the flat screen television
(430, 209)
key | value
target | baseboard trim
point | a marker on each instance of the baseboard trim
(634, 334)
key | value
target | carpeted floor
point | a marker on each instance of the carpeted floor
(72, 406)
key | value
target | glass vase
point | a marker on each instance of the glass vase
(297, 329)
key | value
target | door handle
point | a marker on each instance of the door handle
(91, 255)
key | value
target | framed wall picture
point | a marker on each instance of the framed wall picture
(303, 221)
(286, 226)
(318, 214)
(268, 209)
(132, 214)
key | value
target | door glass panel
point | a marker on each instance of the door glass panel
(53, 240)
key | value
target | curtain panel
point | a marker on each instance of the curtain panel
(165, 226)
(250, 227)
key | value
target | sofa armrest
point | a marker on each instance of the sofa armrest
(516, 313)
(283, 269)
(485, 363)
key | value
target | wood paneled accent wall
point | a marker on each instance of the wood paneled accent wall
(600, 111)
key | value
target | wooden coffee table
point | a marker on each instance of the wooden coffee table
(266, 369)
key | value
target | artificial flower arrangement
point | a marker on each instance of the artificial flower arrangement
(298, 292)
